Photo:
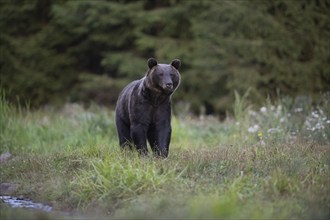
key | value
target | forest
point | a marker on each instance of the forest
(59, 51)
(260, 66)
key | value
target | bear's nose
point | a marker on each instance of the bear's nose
(169, 85)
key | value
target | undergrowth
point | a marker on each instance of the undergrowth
(267, 162)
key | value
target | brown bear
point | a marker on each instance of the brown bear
(143, 109)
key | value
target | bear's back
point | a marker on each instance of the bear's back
(130, 91)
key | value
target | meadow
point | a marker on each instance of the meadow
(269, 162)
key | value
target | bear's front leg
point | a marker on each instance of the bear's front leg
(159, 138)
(139, 137)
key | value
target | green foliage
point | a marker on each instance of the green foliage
(70, 159)
(47, 47)
(119, 175)
(240, 105)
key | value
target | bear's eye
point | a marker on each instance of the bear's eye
(161, 74)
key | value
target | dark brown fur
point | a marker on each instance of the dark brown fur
(143, 110)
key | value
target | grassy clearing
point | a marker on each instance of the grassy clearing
(266, 163)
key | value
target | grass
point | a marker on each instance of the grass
(271, 163)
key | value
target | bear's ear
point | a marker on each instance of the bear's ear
(152, 62)
(176, 63)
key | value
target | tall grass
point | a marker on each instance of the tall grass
(268, 162)
(48, 132)
(120, 175)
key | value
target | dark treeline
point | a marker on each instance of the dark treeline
(56, 51)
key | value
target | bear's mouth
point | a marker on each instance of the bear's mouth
(167, 88)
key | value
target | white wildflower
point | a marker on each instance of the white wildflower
(315, 114)
(263, 109)
(298, 110)
(328, 121)
(253, 129)
(282, 120)
(319, 126)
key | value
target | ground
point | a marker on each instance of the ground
(270, 162)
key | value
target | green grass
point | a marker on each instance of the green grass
(70, 159)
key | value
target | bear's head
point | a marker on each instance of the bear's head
(163, 78)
